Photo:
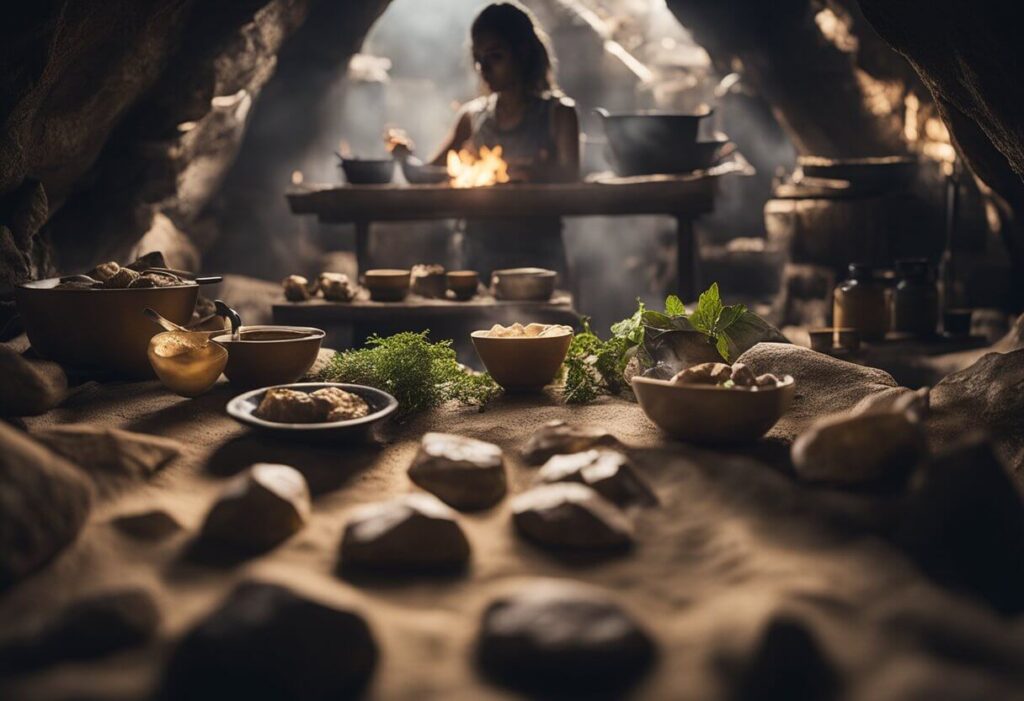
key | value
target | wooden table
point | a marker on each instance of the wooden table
(684, 197)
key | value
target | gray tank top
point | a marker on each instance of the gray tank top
(529, 141)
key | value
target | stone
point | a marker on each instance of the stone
(30, 387)
(607, 472)
(824, 385)
(963, 524)
(558, 636)
(914, 403)
(415, 532)
(787, 663)
(87, 629)
(268, 642)
(153, 525)
(44, 501)
(462, 472)
(559, 437)
(259, 509)
(100, 450)
(859, 450)
(568, 515)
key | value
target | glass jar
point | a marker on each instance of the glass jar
(860, 303)
(915, 301)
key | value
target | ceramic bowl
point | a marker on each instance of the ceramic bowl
(387, 284)
(522, 364)
(524, 284)
(189, 374)
(270, 355)
(368, 171)
(708, 414)
(463, 283)
(381, 403)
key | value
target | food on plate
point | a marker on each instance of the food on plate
(735, 376)
(285, 405)
(517, 330)
(336, 287)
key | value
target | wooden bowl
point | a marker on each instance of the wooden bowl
(270, 355)
(709, 414)
(524, 363)
(463, 283)
(387, 284)
(99, 329)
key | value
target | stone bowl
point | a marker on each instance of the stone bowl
(381, 404)
(709, 414)
(102, 330)
(524, 284)
(270, 355)
(387, 284)
(522, 364)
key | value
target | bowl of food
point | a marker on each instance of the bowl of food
(313, 410)
(97, 322)
(463, 283)
(523, 358)
(368, 171)
(387, 284)
(715, 403)
(187, 362)
(524, 284)
(269, 355)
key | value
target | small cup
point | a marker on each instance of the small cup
(822, 339)
(387, 284)
(189, 373)
(463, 283)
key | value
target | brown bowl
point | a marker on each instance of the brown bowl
(524, 284)
(522, 363)
(708, 414)
(387, 284)
(463, 283)
(270, 355)
(99, 329)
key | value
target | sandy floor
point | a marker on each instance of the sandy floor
(734, 541)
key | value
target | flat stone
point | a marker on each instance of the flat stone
(100, 450)
(914, 403)
(858, 450)
(463, 472)
(30, 387)
(559, 438)
(963, 525)
(87, 629)
(558, 636)
(153, 525)
(787, 663)
(259, 509)
(413, 532)
(607, 472)
(44, 500)
(268, 642)
(569, 515)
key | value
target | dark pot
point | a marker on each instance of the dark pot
(652, 141)
(360, 171)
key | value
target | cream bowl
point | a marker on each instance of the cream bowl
(522, 363)
(710, 414)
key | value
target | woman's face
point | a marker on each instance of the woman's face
(495, 62)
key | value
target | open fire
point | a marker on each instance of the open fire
(468, 170)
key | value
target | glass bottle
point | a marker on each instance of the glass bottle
(915, 301)
(859, 302)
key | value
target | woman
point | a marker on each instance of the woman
(536, 127)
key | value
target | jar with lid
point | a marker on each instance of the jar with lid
(860, 303)
(915, 301)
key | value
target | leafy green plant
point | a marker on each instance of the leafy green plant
(420, 374)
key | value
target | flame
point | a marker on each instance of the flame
(467, 170)
(297, 177)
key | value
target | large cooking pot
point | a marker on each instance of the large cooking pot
(99, 329)
(664, 140)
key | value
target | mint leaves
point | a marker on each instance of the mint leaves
(715, 320)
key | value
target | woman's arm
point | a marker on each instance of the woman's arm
(460, 133)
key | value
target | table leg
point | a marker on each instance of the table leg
(686, 259)
(362, 247)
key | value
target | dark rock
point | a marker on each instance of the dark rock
(463, 472)
(559, 437)
(258, 509)
(153, 525)
(553, 635)
(824, 385)
(100, 450)
(44, 500)
(607, 472)
(86, 629)
(568, 515)
(267, 642)
(963, 525)
(412, 532)
(30, 387)
(867, 449)
(787, 663)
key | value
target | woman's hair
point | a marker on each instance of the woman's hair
(516, 25)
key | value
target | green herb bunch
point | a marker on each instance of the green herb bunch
(421, 375)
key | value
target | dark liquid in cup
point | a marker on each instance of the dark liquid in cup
(285, 335)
